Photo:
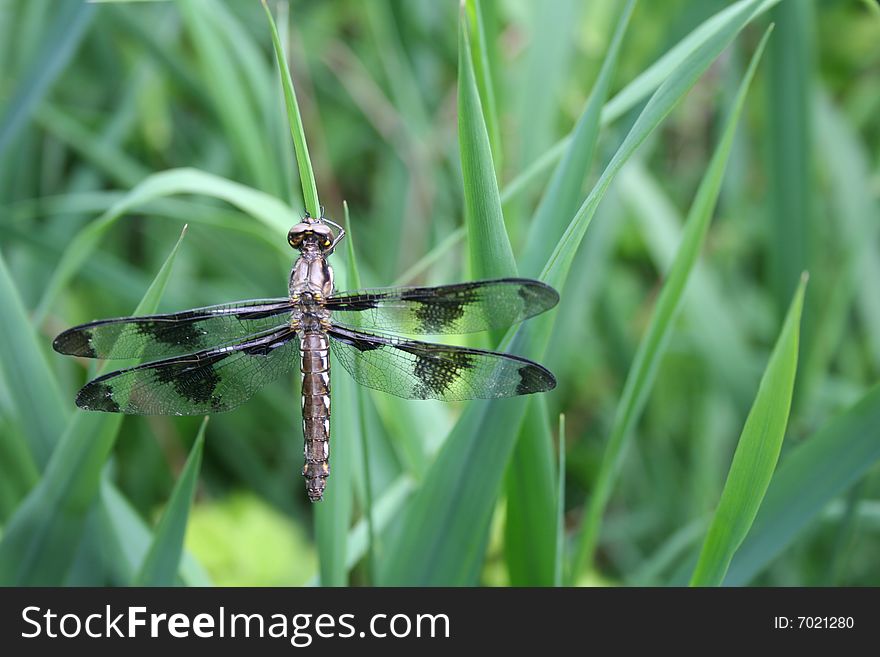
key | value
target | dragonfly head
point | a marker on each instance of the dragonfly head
(310, 236)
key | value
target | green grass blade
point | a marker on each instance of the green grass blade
(267, 209)
(488, 243)
(26, 373)
(52, 55)
(789, 186)
(303, 162)
(36, 544)
(641, 375)
(530, 520)
(756, 454)
(161, 564)
(561, 199)
(360, 393)
(558, 571)
(812, 474)
(483, 74)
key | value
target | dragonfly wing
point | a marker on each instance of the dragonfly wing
(164, 336)
(208, 381)
(447, 309)
(422, 370)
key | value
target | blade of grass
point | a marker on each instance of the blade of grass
(461, 486)
(267, 209)
(360, 393)
(303, 162)
(483, 75)
(530, 520)
(789, 186)
(488, 244)
(756, 454)
(558, 570)
(161, 564)
(562, 196)
(810, 476)
(58, 46)
(651, 348)
(36, 544)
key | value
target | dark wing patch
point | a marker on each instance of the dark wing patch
(208, 381)
(164, 336)
(421, 370)
(450, 309)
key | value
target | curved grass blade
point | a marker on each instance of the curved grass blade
(303, 162)
(58, 46)
(162, 562)
(563, 193)
(460, 489)
(488, 243)
(756, 454)
(812, 474)
(266, 209)
(652, 346)
(36, 544)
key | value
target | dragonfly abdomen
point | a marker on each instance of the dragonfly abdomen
(316, 412)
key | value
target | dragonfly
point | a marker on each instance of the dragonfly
(212, 359)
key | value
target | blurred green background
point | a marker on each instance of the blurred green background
(97, 99)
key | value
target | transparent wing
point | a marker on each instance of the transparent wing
(208, 381)
(421, 370)
(449, 309)
(163, 336)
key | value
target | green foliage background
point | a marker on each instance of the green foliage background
(671, 167)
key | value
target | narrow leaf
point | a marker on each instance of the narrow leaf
(811, 475)
(641, 375)
(161, 564)
(756, 454)
(303, 162)
(490, 253)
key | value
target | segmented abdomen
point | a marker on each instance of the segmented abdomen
(316, 412)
